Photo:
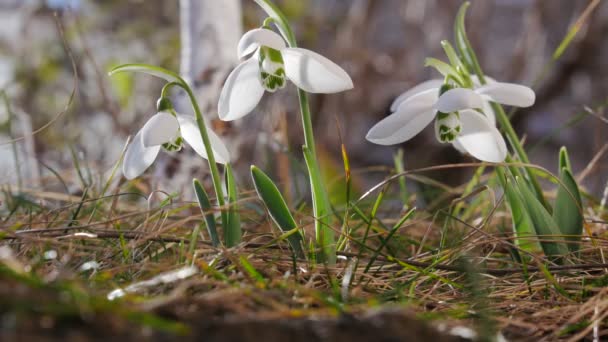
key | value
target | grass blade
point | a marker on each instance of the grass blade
(399, 169)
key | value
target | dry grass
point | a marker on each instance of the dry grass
(49, 244)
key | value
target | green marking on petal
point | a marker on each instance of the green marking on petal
(447, 127)
(442, 116)
(272, 69)
(175, 145)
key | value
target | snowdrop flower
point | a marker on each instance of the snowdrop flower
(271, 64)
(456, 114)
(168, 130)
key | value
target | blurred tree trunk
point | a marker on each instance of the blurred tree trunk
(209, 34)
(210, 31)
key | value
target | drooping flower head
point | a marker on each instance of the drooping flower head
(271, 64)
(463, 116)
(168, 130)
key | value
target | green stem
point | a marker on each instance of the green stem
(280, 20)
(166, 87)
(324, 235)
(215, 173)
(309, 139)
(505, 124)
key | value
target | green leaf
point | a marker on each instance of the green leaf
(443, 68)
(232, 231)
(460, 35)
(399, 168)
(165, 74)
(323, 232)
(452, 55)
(269, 193)
(205, 205)
(564, 160)
(567, 210)
(251, 271)
(544, 224)
(523, 227)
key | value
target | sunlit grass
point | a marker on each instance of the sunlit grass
(122, 256)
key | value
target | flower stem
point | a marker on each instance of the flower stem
(215, 173)
(324, 234)
(309, 139)
(502, 117)
(322, 210)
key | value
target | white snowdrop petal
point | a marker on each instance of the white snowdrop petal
(476, 82)
(509, 94)
(458, 146)
(489, 112)
(161, 128)
(192, 135)
(242, 91)
(253, 39)
(481, 139)
(457, 99)
(314, 73)
(137, 157)
(411, 117)
(431, 84)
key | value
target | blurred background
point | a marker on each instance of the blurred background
(381, 43)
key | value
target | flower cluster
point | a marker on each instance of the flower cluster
(271, 64)
(463, 116)
(461, 111)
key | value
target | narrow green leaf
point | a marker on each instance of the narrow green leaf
(253, 273)
(232, 231)
(205, 205)
(567, 211)
(551, 279)
(83, 198)
(564, 159)
(523, 227)
(461, 39)
(443, 68)
(77, 167)
(392, 232)
(323, 232)
(399, 168)
(347, 174)
(551, 241)
(165, 74)
(269, 193)
(574, 29)
(452, 55)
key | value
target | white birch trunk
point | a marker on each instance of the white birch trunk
(209, 33)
